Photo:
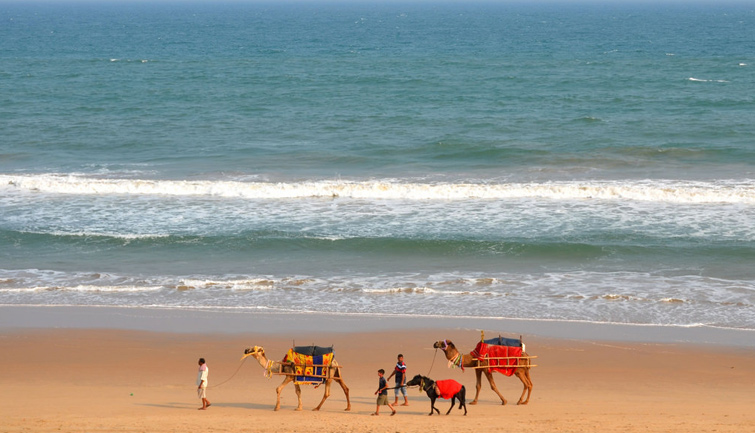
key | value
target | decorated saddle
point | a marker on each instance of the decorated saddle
(502, 354)
(447, 388)
(310, 363)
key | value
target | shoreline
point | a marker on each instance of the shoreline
(276, 323)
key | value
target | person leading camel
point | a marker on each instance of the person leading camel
(202, 374)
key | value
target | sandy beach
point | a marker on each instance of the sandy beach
(90, 379)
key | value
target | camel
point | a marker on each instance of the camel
(523, 372)
(333, 373)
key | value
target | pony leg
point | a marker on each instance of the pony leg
(432, 406)
(325, 395)
(478, 386)
(453, 403)
(489, 375)
(279, 389)
(462, 399)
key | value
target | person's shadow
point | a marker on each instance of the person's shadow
(182, 405)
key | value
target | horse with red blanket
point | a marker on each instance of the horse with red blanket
(442, 388)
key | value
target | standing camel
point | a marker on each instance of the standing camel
(333, 372)
(522, 372)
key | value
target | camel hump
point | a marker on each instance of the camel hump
(313, 350)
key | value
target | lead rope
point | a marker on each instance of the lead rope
(234, 374)
(268, 373)
(431, 365)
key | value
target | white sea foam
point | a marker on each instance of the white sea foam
(81, 289)
(393, 290)
(241, 284)
(611, 297)
(722, 191)
(707, 81)
(94, 234)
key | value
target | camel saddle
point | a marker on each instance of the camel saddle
(495, 348)
(310, 363)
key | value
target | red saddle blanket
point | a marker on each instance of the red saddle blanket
(493, 354)
(448, 388)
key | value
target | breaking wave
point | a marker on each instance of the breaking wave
(722, 191)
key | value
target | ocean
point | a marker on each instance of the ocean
(552, 162)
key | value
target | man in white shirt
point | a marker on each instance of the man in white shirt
(202, 383)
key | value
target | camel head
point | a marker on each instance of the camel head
(443, 345)
(256, 351)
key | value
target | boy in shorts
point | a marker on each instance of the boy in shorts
(382, 393)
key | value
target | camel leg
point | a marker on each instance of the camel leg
(346, 392)
(529, 382)
(489, 375)
(524, 375)
(478, 372)
(279, 389)
(298, 396)
(325, 395)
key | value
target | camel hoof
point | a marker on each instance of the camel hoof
(315, 409)
(347, 409)
(473, 403)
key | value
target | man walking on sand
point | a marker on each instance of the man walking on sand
(202, 383)
(400, 372)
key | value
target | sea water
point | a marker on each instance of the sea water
(577, 162)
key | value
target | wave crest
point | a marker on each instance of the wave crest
(722, 191)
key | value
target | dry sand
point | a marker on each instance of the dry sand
(98, 380)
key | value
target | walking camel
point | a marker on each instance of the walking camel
(469, 361)
(332, 372)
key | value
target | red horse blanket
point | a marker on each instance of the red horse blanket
(490, 352)
(448, 388)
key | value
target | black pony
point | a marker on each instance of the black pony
(442, 388)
